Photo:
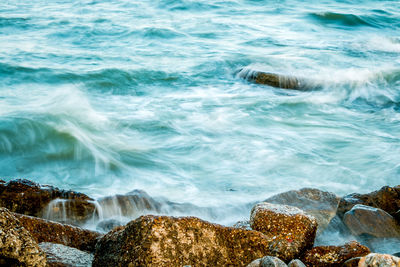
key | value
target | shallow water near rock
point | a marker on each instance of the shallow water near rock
(105, 97)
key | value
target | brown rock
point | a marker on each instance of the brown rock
(47, 231)
(62, 256)
(375, 222)
(168, 241)
(17, 247)
(379, 260)
(320, 204)
(326, 256)
(353, 262)
(292, 230)
(29, 198)
(387, 199)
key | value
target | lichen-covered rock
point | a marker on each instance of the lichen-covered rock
(292, 230)
(375, 222)
(296, 263)
(379, 260)
(269, 261)
(17, 247)
(320, 204)
(47, 231)
(29, 198)
(169, 241)
(387, 198)
(60, 255)
(333, 255)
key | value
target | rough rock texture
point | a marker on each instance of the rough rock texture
(269, 261)
(296, 263)
(168, 241)
(387, 198)
(334, 255)
(292, 230)
(46, 231)
(375, 222)
(17, 247)
(29, 198)
(353, 262)
(379, 260)
(320, 204)
(59, 255)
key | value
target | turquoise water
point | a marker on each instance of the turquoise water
(109, 96)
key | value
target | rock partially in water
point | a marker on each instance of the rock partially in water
(296, 263)
(170, 241)
(320, 204)
(387, 198)
(29, 198)
(17, 247)
(107, 225)
(47, 231)
(334, 255)
(291, 229)
(379, 260)
(375, 222)
(59, 255)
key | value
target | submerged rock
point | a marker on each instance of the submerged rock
(170, 241)
(375, 222)
(379, 260)
(320, 204)
(292, 230)
(29, 198)
(387, 198)
(17, 247)
(334, 255)
(60, 255)
(47, 231)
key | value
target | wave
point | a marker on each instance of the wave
(344, 19)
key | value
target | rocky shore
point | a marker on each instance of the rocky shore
(284, 230)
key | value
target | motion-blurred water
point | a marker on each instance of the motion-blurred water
(104, 97)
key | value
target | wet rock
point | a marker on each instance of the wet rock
(296, 263)
(397, 254)
(47, 231)
(107, 225)
(379, 260)
(60, 255)
(170, 241)
(353, 262)
(29, 198)
(387, 199)
(292, 230)
(333, 255)
(255, 263)
(17, 247)
(242, 225)
(320, 204)
(269, 261)
(375, 222)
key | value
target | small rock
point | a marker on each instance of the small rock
(60, 255)
(269, 261)
(296, 263)
(375, 222)
(333, 255)
(320, 204)
(107, 225)
(353, 262)
(17, 247)
(379, 260)
(292, 230)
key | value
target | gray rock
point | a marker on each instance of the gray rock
(296, 263)
(371, 221)
(320, 204)
(58, 254)
(269, 261)
(255, 263)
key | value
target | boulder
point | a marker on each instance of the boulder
(17, 247)
(170, 241)
(333, 255)
(292, 230)
(59, 255)
(375, 222)
(296, 263)
(29, 198)
(379, 260)
(387, 198)
(320, 204)
(47, 231)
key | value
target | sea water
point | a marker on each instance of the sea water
(105, 97)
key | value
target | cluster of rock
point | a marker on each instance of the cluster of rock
(280, 232)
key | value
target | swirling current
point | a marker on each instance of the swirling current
(104, 97)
